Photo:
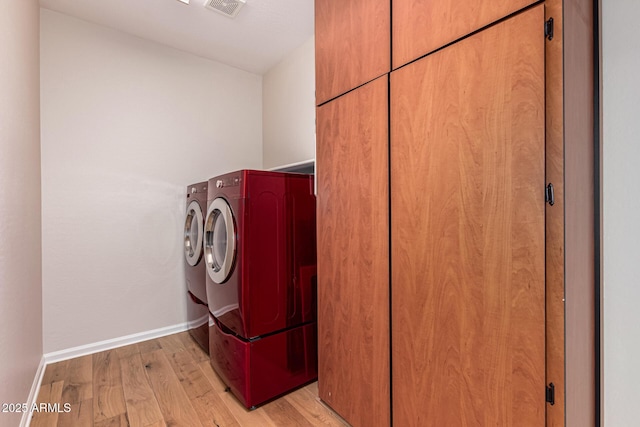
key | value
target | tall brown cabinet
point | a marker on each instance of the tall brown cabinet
(354, 256)
(454, 286)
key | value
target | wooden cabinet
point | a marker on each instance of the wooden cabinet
(352, 44)
(468, 231)
(353, 254)
(420, 27)
(453, 289)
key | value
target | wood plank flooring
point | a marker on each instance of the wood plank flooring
(167, 381)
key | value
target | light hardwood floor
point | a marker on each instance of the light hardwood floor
(167, 381)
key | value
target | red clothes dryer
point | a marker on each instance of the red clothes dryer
(260, 257)
(195, 274)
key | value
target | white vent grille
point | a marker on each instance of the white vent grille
(228, 8)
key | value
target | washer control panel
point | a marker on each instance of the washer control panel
(228, 182)
(202, 188)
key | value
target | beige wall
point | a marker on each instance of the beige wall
(621, 187)
(126, 126)
(20, 271)
(289, 109)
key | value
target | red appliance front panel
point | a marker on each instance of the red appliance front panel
(258, 371)
(275, 269)
(198, 317)
(196, 275)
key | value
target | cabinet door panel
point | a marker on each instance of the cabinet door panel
(352, 44)
(353, 254)
(420, 27)
(468, 231)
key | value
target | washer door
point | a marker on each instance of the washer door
(220, 240)
(193, 227)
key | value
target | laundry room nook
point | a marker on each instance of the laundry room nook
(318, 213)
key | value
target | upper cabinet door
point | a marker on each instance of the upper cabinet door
(420, 27)
(352, 44)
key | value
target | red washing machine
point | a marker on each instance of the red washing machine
(195, 275)
(260, 257)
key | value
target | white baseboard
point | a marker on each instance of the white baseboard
(33, 393)
(96, 347)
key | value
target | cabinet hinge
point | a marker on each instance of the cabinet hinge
(549, 195)
(548, 29)
(550, 394)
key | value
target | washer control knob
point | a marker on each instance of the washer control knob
(219, 183)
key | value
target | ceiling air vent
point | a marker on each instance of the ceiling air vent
(228, 8)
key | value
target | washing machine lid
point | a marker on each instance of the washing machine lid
(193, 233)
(220, 240)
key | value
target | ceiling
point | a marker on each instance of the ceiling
(260, 36)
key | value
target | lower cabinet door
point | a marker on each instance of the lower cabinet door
(352, 175)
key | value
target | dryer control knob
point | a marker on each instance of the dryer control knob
(219, 183)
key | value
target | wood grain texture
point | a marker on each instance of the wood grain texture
(55, 372)
(170, 344)
(353, 254)
(79, 382)
(257, 417)
(49, 393)
(174, 403)
(468, 244)
(80, 415)
(555, 250)
(117, 421)
(129, 350)
(204, 398)
(240, 413)
(579, 212)
(108, 394)
(306, 402)
(352, 44)
(192, 347)
(420, 27)
(283, 414)
(148, 346)
(151, 381)
(142, 407)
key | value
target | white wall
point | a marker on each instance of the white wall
(621, 216)
(20, 243)
(126, 126)
(289, 116)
